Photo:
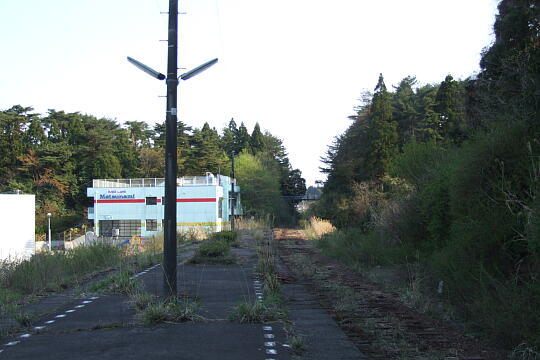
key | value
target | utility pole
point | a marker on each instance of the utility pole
(233, 197)
(171, 167)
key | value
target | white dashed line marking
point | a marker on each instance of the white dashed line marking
(267, 328)
(94, 298)
(12, 343)
(79, 306)
(24, 336)
(269, 336)
(286, 345)
(39, 328)
(60, 316)
(70, 311)
(87, 302)
(50, 321)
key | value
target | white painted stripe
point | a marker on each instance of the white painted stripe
(80, 306)
(70, 311)
(286, 345)
(271, 352)
(269, 336)
(94, 298)
(270, 344)
(86, 302)
(39, 327)
(267, 328)
(24, 336)
(12, 343)
(50, 321)
(60, 316)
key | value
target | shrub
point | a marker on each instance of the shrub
(230, 237)
(214, 248)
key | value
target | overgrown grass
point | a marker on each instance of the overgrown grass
(56, 271)
(118, 283)
(357, 248)
(52, 272)
(315, 227)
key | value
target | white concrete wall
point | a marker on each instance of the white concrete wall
(17, 226)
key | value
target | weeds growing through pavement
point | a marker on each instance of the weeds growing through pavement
(171, 310)
(258, 312)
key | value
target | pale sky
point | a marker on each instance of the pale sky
(298, 67)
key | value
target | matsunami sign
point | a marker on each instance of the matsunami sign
(116, 195)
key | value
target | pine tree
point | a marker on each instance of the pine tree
(242, 139)
(383, 137)
(256, 142)
(404, 112)
(206, 153)
(228, 139)
(510, 77)
(449, 106)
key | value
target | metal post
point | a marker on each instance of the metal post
(233, 199)
(169, 245)
(50, 242)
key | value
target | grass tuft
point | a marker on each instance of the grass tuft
(170, 311)
(257, 312)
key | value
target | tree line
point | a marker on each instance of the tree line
(55, 156)
(449, 174)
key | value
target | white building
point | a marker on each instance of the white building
(17, 226)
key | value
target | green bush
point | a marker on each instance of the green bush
(214, 248)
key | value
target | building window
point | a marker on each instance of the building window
(125, 228)
(151, 225)
(151, 200)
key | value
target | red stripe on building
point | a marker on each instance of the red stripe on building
(117, 201)
(127, 201)
(197, 200)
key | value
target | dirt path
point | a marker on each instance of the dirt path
(376, 321)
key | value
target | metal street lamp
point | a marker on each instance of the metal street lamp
(232, 193)
(50, 242)
(169, 226)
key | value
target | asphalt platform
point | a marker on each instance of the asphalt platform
(103, 326)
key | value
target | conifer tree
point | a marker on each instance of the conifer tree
(206, 153)
(449, 106)
(404, 112)
(256, 142)
(228, 139)
(383, 137)
(242, 139)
